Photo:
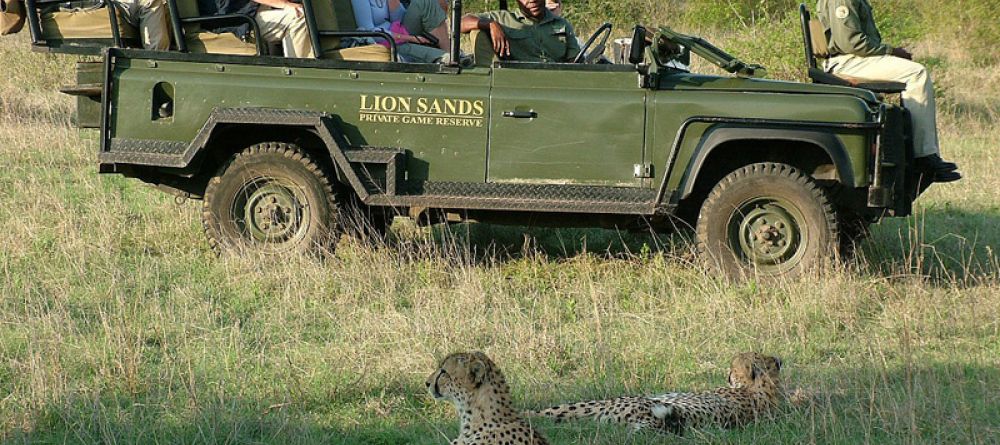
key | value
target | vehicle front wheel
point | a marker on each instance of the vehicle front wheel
(270, 199)
(767, 219)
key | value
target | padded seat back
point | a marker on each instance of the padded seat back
(819, 40)
(207, 42)
(333, 15)
(482, 47)
(338, 16)
(202, 41)
(89, 23)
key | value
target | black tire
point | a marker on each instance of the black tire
(767, 219)
(272, 199)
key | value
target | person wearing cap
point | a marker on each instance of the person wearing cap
(530, 33)
(857, 49)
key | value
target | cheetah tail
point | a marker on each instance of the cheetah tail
(603, 410)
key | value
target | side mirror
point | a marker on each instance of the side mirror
(637, 52)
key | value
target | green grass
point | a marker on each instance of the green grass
(118, 325)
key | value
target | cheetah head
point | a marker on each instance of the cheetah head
(461, 375)
(752, 370)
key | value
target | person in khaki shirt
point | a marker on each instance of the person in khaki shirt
(530, 33)
(857, 49)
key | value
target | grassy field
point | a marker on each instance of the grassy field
(118, 325)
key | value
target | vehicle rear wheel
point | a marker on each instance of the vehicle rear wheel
(272, 198)
(767, 219)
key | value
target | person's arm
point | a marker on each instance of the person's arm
(363, 15)
(847, 31)
(282, 4)
(485, 23)
(396, 11)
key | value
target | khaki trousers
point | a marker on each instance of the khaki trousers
(150, 16)
(284, 24)
(918, 97)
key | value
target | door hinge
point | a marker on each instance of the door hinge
(643, 171)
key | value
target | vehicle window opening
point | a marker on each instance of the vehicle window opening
(163, 101)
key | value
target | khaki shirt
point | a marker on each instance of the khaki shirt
(850, 25)
(549, 40)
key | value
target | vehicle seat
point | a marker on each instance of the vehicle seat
(334, 19)
(482, 49)
(817, 46)
(186, 20)
(89, 24)
(85, 23)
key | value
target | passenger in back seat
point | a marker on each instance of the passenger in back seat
(419, 26)
(284, 19)
(150, 16)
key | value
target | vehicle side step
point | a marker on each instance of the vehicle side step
(391, 161)
(526, 197)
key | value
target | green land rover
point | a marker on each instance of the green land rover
(288, 154)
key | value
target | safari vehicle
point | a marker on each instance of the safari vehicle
(288, 154)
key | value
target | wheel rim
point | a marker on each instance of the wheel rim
(269, 211)
(765, 233)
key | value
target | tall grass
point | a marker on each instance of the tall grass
(118, 325)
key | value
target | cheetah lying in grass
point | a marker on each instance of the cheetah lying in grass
(755, 390)
(477, 388)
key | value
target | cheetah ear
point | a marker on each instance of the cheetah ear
(477, 372)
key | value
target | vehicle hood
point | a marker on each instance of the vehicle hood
(701, 82)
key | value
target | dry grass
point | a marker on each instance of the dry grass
(117, 325)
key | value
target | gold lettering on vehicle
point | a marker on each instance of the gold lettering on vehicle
(442, 112)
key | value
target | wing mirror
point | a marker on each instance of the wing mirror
(637, 51)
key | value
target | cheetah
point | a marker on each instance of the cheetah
(477, 388)
(754, 391)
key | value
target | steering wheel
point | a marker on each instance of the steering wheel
(588, 55)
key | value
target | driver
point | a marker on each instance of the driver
(530, 33)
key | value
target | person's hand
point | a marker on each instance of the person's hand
(500, 43)
(902, 53)
(296, 6)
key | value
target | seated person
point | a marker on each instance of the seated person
(150, 17)
(857, 49)
(420, 30)
(284, 19)
(531, 33)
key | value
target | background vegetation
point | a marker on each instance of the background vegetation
(118, 325)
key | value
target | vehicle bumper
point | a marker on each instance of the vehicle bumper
(895, 184)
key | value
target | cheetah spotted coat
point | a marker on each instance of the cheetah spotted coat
(755, 391)
(477, 388)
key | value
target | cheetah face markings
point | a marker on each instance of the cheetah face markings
(479, 392)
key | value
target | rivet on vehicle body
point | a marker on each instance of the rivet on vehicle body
(220, 68)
